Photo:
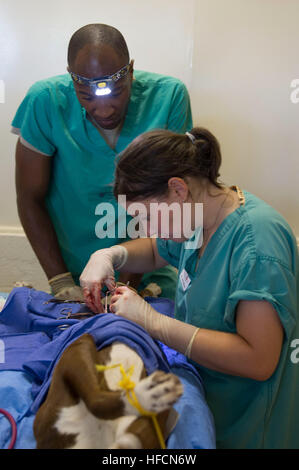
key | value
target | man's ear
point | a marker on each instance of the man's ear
(132, 69)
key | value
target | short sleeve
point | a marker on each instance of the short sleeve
(170, 251)
(33, 120)
(264, 278)
(180, 116)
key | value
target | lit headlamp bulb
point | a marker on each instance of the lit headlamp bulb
(102, 89)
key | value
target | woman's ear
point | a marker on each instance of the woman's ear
(178, 189)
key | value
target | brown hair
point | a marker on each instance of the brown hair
(146, 165)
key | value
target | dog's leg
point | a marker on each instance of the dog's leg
(78, 370)
(141, 433)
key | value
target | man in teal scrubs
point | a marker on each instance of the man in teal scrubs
(71, 127)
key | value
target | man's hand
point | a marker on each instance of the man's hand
(70, 293)
(63, 287)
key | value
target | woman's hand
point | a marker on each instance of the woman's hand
(98, 272)
(128, 304)
(174, 333)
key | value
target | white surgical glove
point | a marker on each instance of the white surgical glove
(100, 271)
(174, 333)
(63, 287)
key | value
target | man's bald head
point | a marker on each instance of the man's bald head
(99, 50)
(97, 35)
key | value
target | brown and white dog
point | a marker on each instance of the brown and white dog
(87, 409)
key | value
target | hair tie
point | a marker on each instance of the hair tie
(191, 137)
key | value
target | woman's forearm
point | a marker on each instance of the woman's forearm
(252, 352)
(228, 353)
(223, 352)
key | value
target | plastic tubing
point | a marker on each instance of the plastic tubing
(13, 427)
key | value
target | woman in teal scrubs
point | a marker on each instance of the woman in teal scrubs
(236, 308)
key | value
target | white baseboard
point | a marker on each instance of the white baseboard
(9, 230)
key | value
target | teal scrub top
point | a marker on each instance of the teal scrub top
(51, 119)
(252, 256)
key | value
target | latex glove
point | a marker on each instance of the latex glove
(63, 287)
(100, 271)
(174, 333)
(128, 304)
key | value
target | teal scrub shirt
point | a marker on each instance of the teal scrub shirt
(252, 256)
(51, 119)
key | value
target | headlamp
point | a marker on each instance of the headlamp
(101, 86)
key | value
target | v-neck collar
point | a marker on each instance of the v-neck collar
(93, 134)
(223, 227)
(114, 132)
(193, 264)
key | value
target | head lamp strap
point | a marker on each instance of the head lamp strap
(100, 82)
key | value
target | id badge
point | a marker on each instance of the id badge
(185, 279)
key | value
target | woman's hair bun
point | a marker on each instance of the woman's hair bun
(208, 152)
(200, 133)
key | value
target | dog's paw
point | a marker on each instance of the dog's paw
(159, 391)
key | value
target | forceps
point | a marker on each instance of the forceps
(65, 315)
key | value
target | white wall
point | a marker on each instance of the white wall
(33, 45)
(34, 36)
(237, 57)
(246, 54)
